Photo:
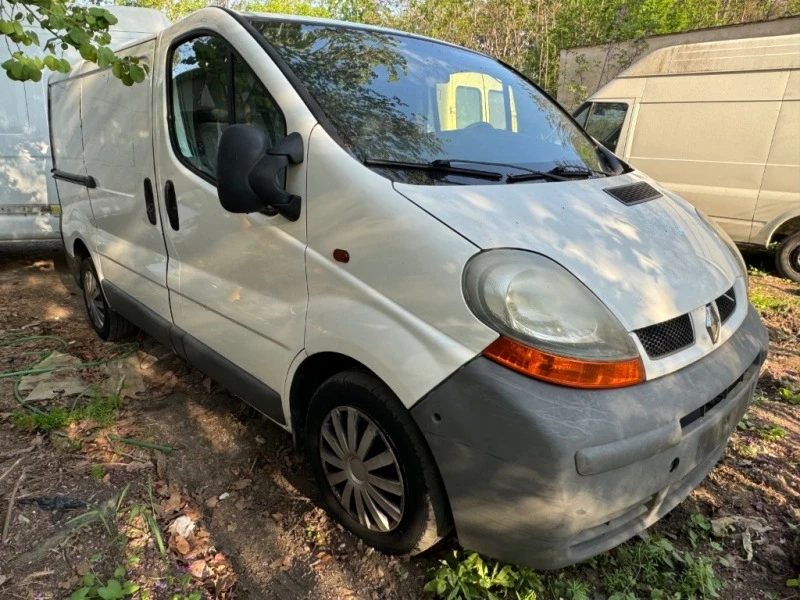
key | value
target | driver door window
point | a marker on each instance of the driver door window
(211, 87)
(604, 122)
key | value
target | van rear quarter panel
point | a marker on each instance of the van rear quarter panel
(707, 137)
(65, 122)
(397, 306)
(118, 153)
(779, 198)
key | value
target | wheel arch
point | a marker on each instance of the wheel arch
(312, 372)
(785, 229)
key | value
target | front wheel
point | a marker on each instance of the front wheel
(373, 466)
(787, 258)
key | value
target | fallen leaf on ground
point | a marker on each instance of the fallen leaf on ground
(241, 484)
(173, 503)
(181, 545)
(199, 569)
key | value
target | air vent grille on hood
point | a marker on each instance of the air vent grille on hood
(668, 337)
(634, 193)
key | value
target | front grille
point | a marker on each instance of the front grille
(726, 304)
(668, 337)
(633, 193)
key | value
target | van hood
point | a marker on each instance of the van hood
(647, 262)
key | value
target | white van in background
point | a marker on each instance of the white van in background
(719, 124)
(29, 209)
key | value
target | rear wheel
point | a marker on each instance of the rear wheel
(373, 466)
(108, 324)
(787, 258)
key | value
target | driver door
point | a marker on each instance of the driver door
(237, 282)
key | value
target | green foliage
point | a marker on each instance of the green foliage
(102, 410)
(789, 396)
(65, 25)
(699, 528)
(115, 588)
(656, 565)
(116, 515)
(473, 578)
(97, 472)
(772, 433)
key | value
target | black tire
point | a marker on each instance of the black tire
(109, 325)
(425, 517)
(787, 257)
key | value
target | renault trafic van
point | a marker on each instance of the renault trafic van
(501, 329)
(719, 124)
(28, 204)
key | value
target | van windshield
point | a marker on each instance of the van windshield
(396, 98)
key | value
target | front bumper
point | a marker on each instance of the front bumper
(547, 476)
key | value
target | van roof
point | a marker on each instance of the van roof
(337, 23)
(133, 19)
(752, 54)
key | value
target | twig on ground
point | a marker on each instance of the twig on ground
(11, 468)
(140, 444)
(13, 453)
(11, 507)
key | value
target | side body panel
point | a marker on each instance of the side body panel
(707, 137)
(118, 151)
(779, 196)
(77, 221)
(237, 281)
(397, 305)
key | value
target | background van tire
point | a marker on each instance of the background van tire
(377, 442)
(787, 257)
(108, 324)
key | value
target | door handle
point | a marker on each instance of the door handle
(172, 205)
(149, 201)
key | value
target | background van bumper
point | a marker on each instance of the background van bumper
(547, 476)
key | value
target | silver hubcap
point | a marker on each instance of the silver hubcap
(362, 469)
(94, 300)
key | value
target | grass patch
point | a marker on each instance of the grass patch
(766, 303)
(772, 433)
(788, 396)
(97, 472)
(650, 568)
(102, 410)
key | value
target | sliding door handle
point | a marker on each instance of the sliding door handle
(172, 205)
(149, 201)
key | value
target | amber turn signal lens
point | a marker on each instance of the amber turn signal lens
(572, 372)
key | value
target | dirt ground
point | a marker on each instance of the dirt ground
(236, 506)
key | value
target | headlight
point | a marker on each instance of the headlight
(726, 239)
(551, 322)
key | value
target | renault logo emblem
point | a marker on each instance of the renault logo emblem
(712, 321)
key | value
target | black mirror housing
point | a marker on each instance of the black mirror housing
(247, 169)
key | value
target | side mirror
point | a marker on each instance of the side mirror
(247, 171)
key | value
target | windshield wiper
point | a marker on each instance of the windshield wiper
(441, 166)
(559, 173)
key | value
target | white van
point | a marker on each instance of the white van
(28, 203)
(498, 327)
(719, 124)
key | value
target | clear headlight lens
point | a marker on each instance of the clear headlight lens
(726, 239)
(534, 300)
